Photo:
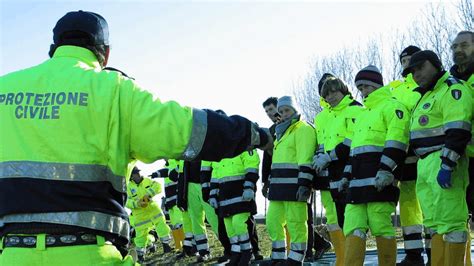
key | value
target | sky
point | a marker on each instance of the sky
(228, 55)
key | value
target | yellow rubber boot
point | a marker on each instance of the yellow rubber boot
(288, 242)
(178, 236)
(454, 253)
(437, 250)
(338, 241)
(386, 251)
(468, 261)
(354, 251)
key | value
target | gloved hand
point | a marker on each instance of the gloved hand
(444, 178)
(343, 184)
(155, 174)
(383, 179)
(303, 193)
(265, 189)
(248, 195)
(213, 202)
(321, 161)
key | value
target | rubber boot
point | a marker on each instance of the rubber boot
(468, 261)
(234, 259)
(354, 251)
(386, 251)
(321, 246)
(245, 257)
(337, 240)
(454, 253)
(437, 250)
(288, 241)
(178, 236)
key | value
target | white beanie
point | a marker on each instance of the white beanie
(286, 101)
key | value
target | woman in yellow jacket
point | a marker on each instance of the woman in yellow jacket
(290, 183)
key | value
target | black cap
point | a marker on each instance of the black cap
(135, 170)
(410, 50)
(322, 80)
(94, 25)
(419, 58)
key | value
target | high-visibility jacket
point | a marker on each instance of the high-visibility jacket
(71, 129)
(292, 158)
(136, 192)
(405, 92)
(321, 180)
(442, 120)
(171, 184)
(334, 133)
(205, 178)
(379, 142)
(229, 179)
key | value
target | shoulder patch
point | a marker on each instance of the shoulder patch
(399, 113)
(457, 94)
(250, 153)
(117, 70)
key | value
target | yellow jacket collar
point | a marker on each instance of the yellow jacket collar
(82, 54)
(377, 96)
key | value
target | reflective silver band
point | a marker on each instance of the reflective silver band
(204, 246)
(333, 155)
(188, 235)
(214, 192)
(231, 178)
(205, 168)
(296, 256)
(279, 244)
(298, 246)
(412, 229)
(175, 197)
(362, 182)
(230, 201)
(200, 237)
(278, 255)
(88, 219)
(427, 133)
(142, 223)
(244, 237)
(171, 184)
(206, 185)
(348, 168)
(450, 154)
(360, 234)
(251, 170)
(254, 136)
(285, 166)
(308, 165)
(62, 172)
(198, 135)
(165, 239)
(245, 246)
(249, 184)
(215, 180)
(283, 180)
(347, 142)
(457, 125)
(334, 185)
(366, 149)
(235, 248)
(425, 150)
(455, 237)
(324, 173)
(413, 244)
(307, 176)
(234, 240)
(411, 159)
(396, 145)
(388, 162)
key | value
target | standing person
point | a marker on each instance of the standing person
(379, 144)
(290, 183)
(73, 186)
(270, 107)
(147, 215)
(439, 135)
(411, 217)
(233, 196)
(333, 125)
(463, 69)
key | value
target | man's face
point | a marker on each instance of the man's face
(286, 112)
(333, 97)
(463, 49)
(271, 110)
(365, 89)
(405, 60)
(424, 74)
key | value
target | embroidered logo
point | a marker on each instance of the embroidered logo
(423, 120)
(426, 105)
(456, 94)
(399, 113)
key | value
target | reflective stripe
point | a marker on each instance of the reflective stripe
(87, 219)
(251, 170)
(284, 180)
(455, 237)
(142, 223)
(231, 178)
(165, 239)
(244, 237)
(245, 246)
(333, 155)
(298, 246)
(188, 235)
(62, 172)
(450, 154)
(157, 216)
(277, 255)
(230, 201)
(279, 244)
(413, 244)
(214, 192)
(206, 185)
(411, 159)
(171, 184)
(425, 150)
(412, 229)
(428, 243)
(427, 133)
(333, 227)
(249, 184)
(335, 185)
(200, 237)
(205, 168)
(235, 248)
(187, 243)
(362, 182)
(151, 190)
(234, 240)
(204, 246)
(457, 125)
(359, 233)
(396, 144)
(198, 135)
(285, 166)
(324, 173)
(308, 165)
(307, 176)
(320, 148)
(388, 162)
(366, 149)
(347, 142)
(295, 256)
(215, 180)
(348, 168)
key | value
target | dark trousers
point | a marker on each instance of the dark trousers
(309, 248)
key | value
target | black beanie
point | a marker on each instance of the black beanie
(322, 80)
(410, 50)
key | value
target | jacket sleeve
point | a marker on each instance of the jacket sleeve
(152, 187)
(305, 140)
(251, 162)
(131, 203)
(457, 122)
(205, 179)
(396, 139)
(266, 166)
(214, 193)
(343, 149)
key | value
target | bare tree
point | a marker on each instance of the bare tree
(466, 15)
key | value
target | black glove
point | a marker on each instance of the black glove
(155, 175)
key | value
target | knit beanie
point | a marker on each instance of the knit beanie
(410, 50)
(286, 101)
(322, 80)
(369, 75)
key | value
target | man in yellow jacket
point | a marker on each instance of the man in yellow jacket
(80, 128)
